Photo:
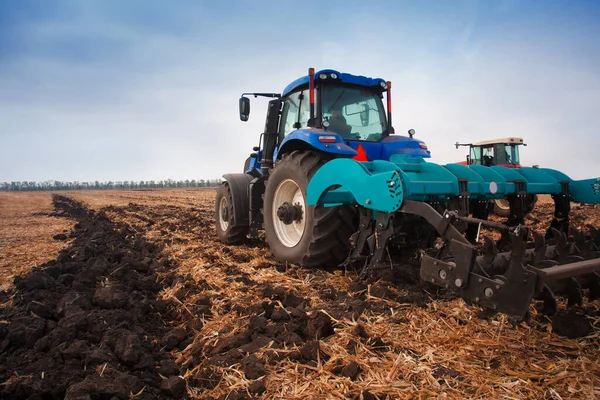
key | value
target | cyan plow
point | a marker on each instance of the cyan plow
(394, 196)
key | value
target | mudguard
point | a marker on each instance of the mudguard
(344, 181)
(304, 139)
(238, 184)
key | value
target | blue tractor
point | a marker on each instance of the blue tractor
(331, 183)
(317, 118)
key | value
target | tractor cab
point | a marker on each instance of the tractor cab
(332, 112)
(502, 152)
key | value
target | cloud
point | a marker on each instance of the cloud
(110, 93)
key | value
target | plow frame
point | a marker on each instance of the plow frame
(510, 293)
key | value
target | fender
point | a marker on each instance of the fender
(306, 139)
(391, 145)
(238, 184)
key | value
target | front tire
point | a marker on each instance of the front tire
(309, 236)
(227, 231)
(502, 208)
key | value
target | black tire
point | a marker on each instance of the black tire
(227, 231)
(502, 208)
(325, 241)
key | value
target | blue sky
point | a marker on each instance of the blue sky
(140, 90)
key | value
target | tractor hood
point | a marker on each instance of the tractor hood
(391, 145)
(403, 145)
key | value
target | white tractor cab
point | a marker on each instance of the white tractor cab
(502, 152)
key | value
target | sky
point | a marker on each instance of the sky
(115, 90)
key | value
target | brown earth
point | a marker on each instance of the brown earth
(143, 302)
(26, 230)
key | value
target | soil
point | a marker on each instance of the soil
(95, 308)
(123, 312)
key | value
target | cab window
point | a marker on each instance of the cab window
(354, 113)
(475, 155)
(488, 156)
(295, 113)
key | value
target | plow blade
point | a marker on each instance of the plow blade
(387, 193)
(508, 282)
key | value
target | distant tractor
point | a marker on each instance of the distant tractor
(497, 152)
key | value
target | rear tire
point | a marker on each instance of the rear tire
(227, 231)
(502, 208)
(316, 236)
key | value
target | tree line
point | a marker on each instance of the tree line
(97, 185)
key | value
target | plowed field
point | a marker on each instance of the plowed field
(127, 294)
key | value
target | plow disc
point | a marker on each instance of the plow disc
(396, 199)
(509, 281)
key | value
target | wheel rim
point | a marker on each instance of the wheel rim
(224, 213)
(288, 192)
(503, 204)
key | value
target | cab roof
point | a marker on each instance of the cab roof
(508, 140)
(341, 77)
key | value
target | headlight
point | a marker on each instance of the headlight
(333, 75)
(322, 76)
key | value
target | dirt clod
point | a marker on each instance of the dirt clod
(173, 386)
(253, 367)
(173, 338)
(319, 326)
(351, 370)
(571, 324)
(257, 387)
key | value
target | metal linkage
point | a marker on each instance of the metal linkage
(370, 241)
(510, 293)
(359, 239)
(481, 210)
(503, 281)
(562, 208)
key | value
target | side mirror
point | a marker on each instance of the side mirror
(244, 108)
(456, 144)
(411, 133)
(364, 114)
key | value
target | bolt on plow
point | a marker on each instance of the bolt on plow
(409, 200)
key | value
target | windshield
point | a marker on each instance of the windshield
(354, 113)
(475, 155)
(515, 154)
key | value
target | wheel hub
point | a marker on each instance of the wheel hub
(288, 213)
(225, 214)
